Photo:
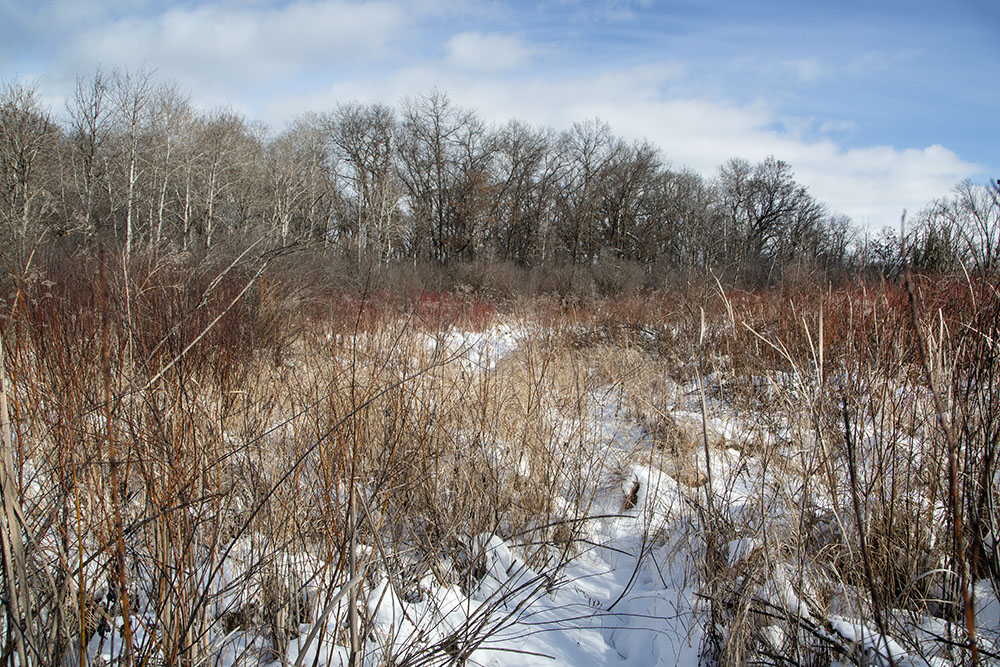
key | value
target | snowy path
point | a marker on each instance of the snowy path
(628, 590)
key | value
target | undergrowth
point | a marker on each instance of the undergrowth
(214, 459)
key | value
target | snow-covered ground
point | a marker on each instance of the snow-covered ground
(631, 587)
(476, 349)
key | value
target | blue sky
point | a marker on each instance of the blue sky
(878, 105)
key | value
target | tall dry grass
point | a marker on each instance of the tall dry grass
(213, 459)
(201, 457)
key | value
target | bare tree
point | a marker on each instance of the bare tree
(301, 184)
(526, 168)
(171, 120)
(763, 208)
(90, 128)
(228, 153)
(589, 148)
(444, 156)
(687, 235)
(131, 93)
(365, 141)
(628, 181)
(973, 212)
(26, 131)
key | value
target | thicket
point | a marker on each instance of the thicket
(204, 458)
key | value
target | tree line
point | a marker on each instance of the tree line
(135, 163)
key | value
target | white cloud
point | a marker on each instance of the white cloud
(875, 62)
(615, 11)
(806, 70)
(222, 48)
(487, 51)
(832, 125)
(874, 185)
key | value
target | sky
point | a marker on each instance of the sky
(878, 105)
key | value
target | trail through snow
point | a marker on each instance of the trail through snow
(628, 589)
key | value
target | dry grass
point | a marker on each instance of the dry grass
(209, 455)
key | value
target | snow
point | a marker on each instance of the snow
(878, 649)
(631, 592)
(476, 349)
